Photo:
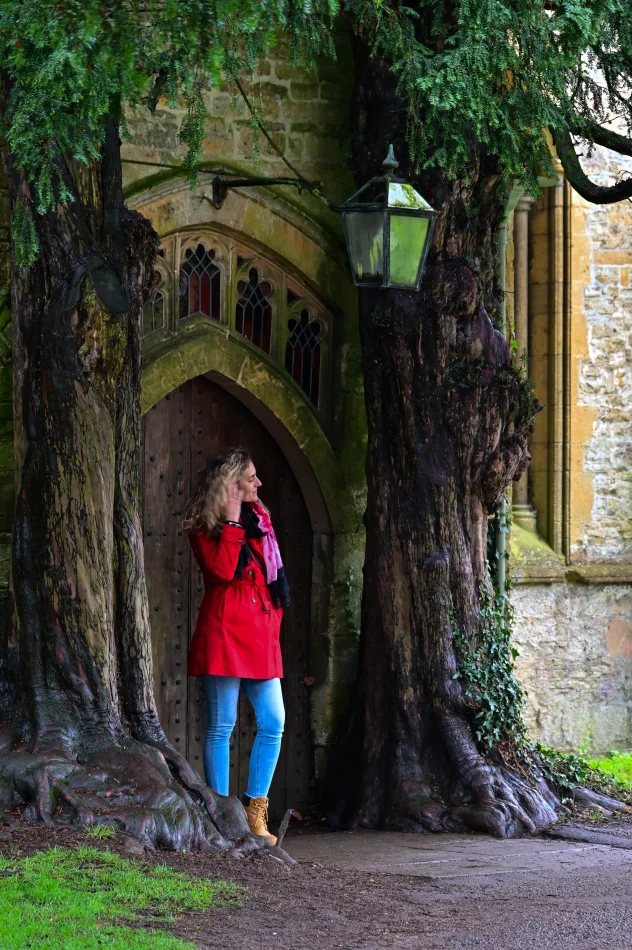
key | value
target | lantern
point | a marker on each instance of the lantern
(388, 227)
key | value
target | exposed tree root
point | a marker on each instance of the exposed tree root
(590, 836)
(441, 784)
(500, 802)
(471, 794)
(586, 798)
(148, 792)
(505, 805)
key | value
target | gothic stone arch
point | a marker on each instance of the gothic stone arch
(324, 448)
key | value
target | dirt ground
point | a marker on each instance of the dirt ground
(310, 907)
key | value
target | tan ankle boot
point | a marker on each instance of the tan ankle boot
(257, 812)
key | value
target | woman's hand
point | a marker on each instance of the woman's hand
(233, 502)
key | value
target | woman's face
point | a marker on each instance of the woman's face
(250, 484)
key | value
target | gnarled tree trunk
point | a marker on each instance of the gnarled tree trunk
(448, 422)
(91, 748)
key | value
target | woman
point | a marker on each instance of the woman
(236, 639)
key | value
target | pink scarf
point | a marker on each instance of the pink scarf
(271, 553)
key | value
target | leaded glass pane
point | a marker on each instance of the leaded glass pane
(408, 239)
(365, 235)
(302, 354)
(153, 316)
(200, 290)
(253, 314)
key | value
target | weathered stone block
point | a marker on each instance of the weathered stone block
(303, 90)
(272, 90)
(329, 151)
(285, 70)
(333, 92)
(300, 128)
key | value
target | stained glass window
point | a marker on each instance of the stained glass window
(302, 354)
(253, 315)
(200, 283)
(154, 309)
(264, 301)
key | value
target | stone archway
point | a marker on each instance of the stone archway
(324, 446)
(267, 394)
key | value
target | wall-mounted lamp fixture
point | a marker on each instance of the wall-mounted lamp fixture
(387, 224)
(221, 186)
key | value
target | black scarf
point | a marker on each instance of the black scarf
(279, 589)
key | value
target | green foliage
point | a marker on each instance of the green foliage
(62, 898)
(610, 775)
(486, 668)
(502, 72)
(616, 765)
(100, 832)
(525, 405)
(24, 236)
(70, 66)
(564, 770)
(462, 373)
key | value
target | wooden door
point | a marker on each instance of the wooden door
(180, 434)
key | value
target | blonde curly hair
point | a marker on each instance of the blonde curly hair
(206, 509)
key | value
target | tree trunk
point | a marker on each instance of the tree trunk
(91, 745)
(448, 422)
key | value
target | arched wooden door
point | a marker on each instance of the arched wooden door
(180, 434)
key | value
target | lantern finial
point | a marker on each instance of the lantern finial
(390, 163)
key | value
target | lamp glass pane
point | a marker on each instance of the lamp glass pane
(365, 234)
(408, 239)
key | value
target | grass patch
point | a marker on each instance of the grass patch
(65, 899)
(100, 832)
(615, 765)
(607, 775)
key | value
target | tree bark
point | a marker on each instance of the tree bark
(76, 344)
(448, 422)
(86, 744)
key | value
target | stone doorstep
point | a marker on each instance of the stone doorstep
(452, 855)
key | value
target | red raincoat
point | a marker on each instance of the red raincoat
(238, 627)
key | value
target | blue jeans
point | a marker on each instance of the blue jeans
(222, 693)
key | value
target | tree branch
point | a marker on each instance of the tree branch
(597, 194)
(591, 130)
(157, 90)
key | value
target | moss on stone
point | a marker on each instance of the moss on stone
(531, 558)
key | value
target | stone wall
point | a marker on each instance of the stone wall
(575, 662)
(306, 114)
(605, 378)
(574, 602)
